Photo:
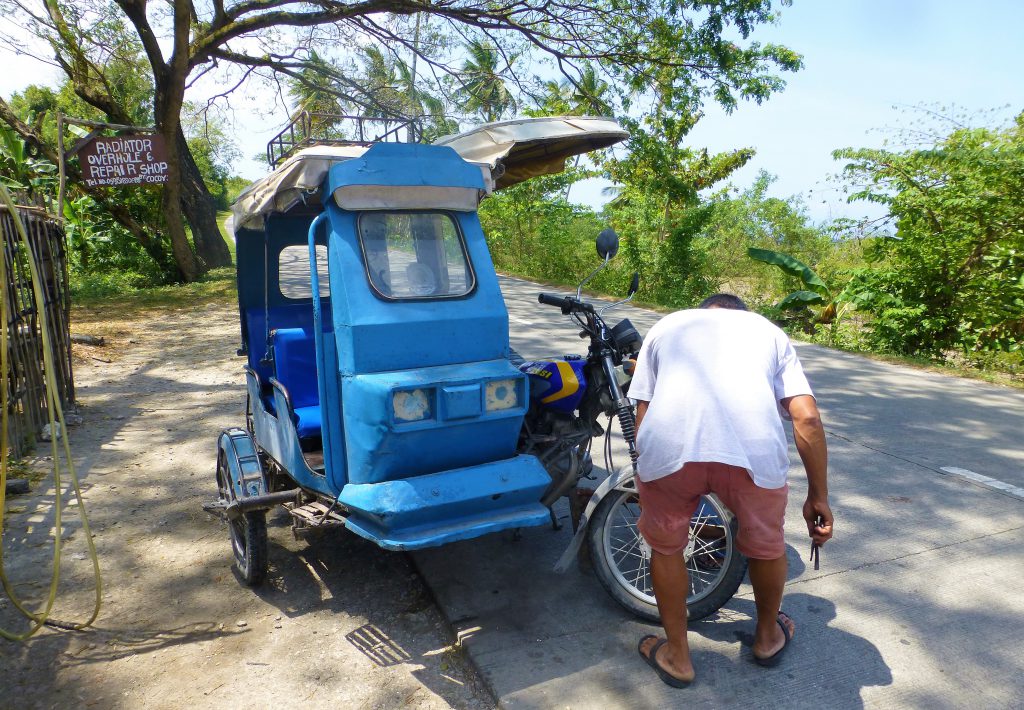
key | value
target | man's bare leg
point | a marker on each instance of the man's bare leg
(671, 583)
(768, 577)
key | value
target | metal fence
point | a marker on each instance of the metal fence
(27, 383)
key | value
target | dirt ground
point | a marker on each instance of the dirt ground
(339, 622)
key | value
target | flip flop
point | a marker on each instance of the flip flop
(651, 660)
(773, 660)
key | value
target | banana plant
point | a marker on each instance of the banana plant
(28, 177)
(815, 292)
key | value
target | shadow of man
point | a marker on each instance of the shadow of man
(831, 665)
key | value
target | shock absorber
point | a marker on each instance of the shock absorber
(627, 424)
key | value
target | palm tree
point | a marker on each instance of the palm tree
(588, 96)
(311, 92)
(585, 97)
(483, 90)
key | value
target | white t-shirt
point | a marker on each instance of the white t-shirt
(714, 378)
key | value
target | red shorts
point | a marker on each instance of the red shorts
(668, 503)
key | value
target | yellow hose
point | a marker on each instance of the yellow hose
(56, 415)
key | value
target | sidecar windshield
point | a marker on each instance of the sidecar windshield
(415, 255)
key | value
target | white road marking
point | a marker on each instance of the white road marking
(985, 481)
(520, 321)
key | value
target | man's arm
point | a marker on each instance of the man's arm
(810, 444)
(641, 410)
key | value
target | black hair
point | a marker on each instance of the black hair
(724, 300)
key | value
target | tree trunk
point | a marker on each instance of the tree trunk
(200, 210)
(169, 85)
(170, 206)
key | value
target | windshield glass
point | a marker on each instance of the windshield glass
(415, 255)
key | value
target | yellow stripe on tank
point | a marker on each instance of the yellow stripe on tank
(570, 385)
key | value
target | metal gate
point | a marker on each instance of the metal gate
(27, 384)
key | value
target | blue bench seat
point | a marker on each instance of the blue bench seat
(295, 367)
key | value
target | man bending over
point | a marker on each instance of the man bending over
(712, 385)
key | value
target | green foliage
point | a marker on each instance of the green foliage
(951, 278)
(533, 231)
(103, 256)
(750, 218)
(31, 180)
(235, 185)
(588, 95)
(380, 84)
(214, 151)
(818, 292)
(797, 309)
(659, 210)
(665, 247)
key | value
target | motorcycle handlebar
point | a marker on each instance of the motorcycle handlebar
(550, 299)
(568, 304)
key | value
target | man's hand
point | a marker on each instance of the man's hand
(810, 444)
(813, 510)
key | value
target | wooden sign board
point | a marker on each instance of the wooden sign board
(124, 160)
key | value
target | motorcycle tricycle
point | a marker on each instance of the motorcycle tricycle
(383, 396)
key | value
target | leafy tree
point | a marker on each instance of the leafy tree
(686, 51)
(308, 94)
(951, 277)
(659, 207)
(214, 151)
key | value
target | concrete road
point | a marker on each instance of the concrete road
(918, 601)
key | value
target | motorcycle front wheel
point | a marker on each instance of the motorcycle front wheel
(621, 557)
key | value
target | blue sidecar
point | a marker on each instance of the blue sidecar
(381, 396)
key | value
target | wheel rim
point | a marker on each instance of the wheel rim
(708, 553)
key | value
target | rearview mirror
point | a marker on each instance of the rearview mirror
(634, 285)
(607, 243)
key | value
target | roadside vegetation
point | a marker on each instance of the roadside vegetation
(938, 280)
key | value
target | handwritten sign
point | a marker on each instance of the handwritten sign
(124, 160)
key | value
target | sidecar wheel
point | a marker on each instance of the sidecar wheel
(248, 533)
(249, 542)
(621, 557)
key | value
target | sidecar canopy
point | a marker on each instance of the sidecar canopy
(529, 147)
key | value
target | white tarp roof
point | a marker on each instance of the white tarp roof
(528, 147)
(508, 152)
(299, 176)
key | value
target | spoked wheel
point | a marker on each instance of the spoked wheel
(622, 557)
(248, 533)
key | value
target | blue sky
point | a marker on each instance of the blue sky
(866, 61)
(862, 58)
